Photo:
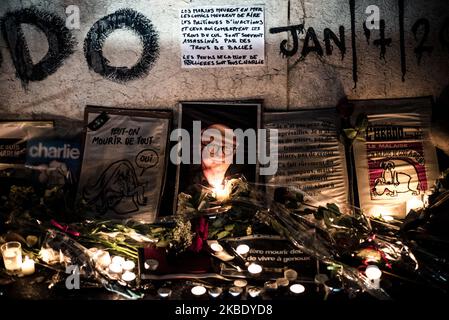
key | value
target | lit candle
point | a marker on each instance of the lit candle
(221, 193)
(128, 276)
(12, 255)
(242, 249)
(215, 292)
(240, 283)
(118, 260)
(253, 292)
(414, 203)
(297, 288)
(115, 268)
(216, 247)
(28, 267)
(254, 268)
(164, 292)
(198, 290)
(373, 273)
(151, 264)
(128, 265)
(235, 291)
(290, 274)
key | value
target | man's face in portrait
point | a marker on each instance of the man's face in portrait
(218, 146)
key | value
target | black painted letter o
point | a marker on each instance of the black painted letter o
(124, 18)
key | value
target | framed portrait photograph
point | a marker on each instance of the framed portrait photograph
(212, 158)
(124, 162)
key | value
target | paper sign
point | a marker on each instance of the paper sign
(222, 36)
(397, 162)
(13, 140)
(123, 167)
(310, 155)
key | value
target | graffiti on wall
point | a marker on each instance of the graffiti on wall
(420, 30)
(61, 44)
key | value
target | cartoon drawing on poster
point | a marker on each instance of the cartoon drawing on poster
(123, 168)
(116, 183)
(397, 162)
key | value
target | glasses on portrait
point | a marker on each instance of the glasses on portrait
(217, 149)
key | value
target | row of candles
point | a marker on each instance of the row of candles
(238, 288)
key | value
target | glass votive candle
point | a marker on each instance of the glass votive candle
(235, 291)
(254, 292)
(215, 292)
(164, 292)
(12, 256)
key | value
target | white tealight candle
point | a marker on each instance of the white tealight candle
(216, 247)
(290, 274)
(115, 268)
(128, 276)
(253, 292)
(235, 291)
(164, 292)
(198, 290)
(240, 283)
(128, 265)
(242, 249)
(151, 264)
(215, 292)
(297, 288)
(118, 260)
(254, 268)
(28, 267)
(373, 273)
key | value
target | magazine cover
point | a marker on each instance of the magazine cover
(397, 163)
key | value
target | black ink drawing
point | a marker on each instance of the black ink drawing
(60, 43)
(117, 189)
(128, 19)
(392, 181)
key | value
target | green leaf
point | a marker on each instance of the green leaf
(350, 133)
(229, 227)
(223, 234)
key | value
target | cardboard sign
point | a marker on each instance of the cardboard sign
(222, 36)
(13, 140)
(397, 162)
(310, 155)
(124, 161)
